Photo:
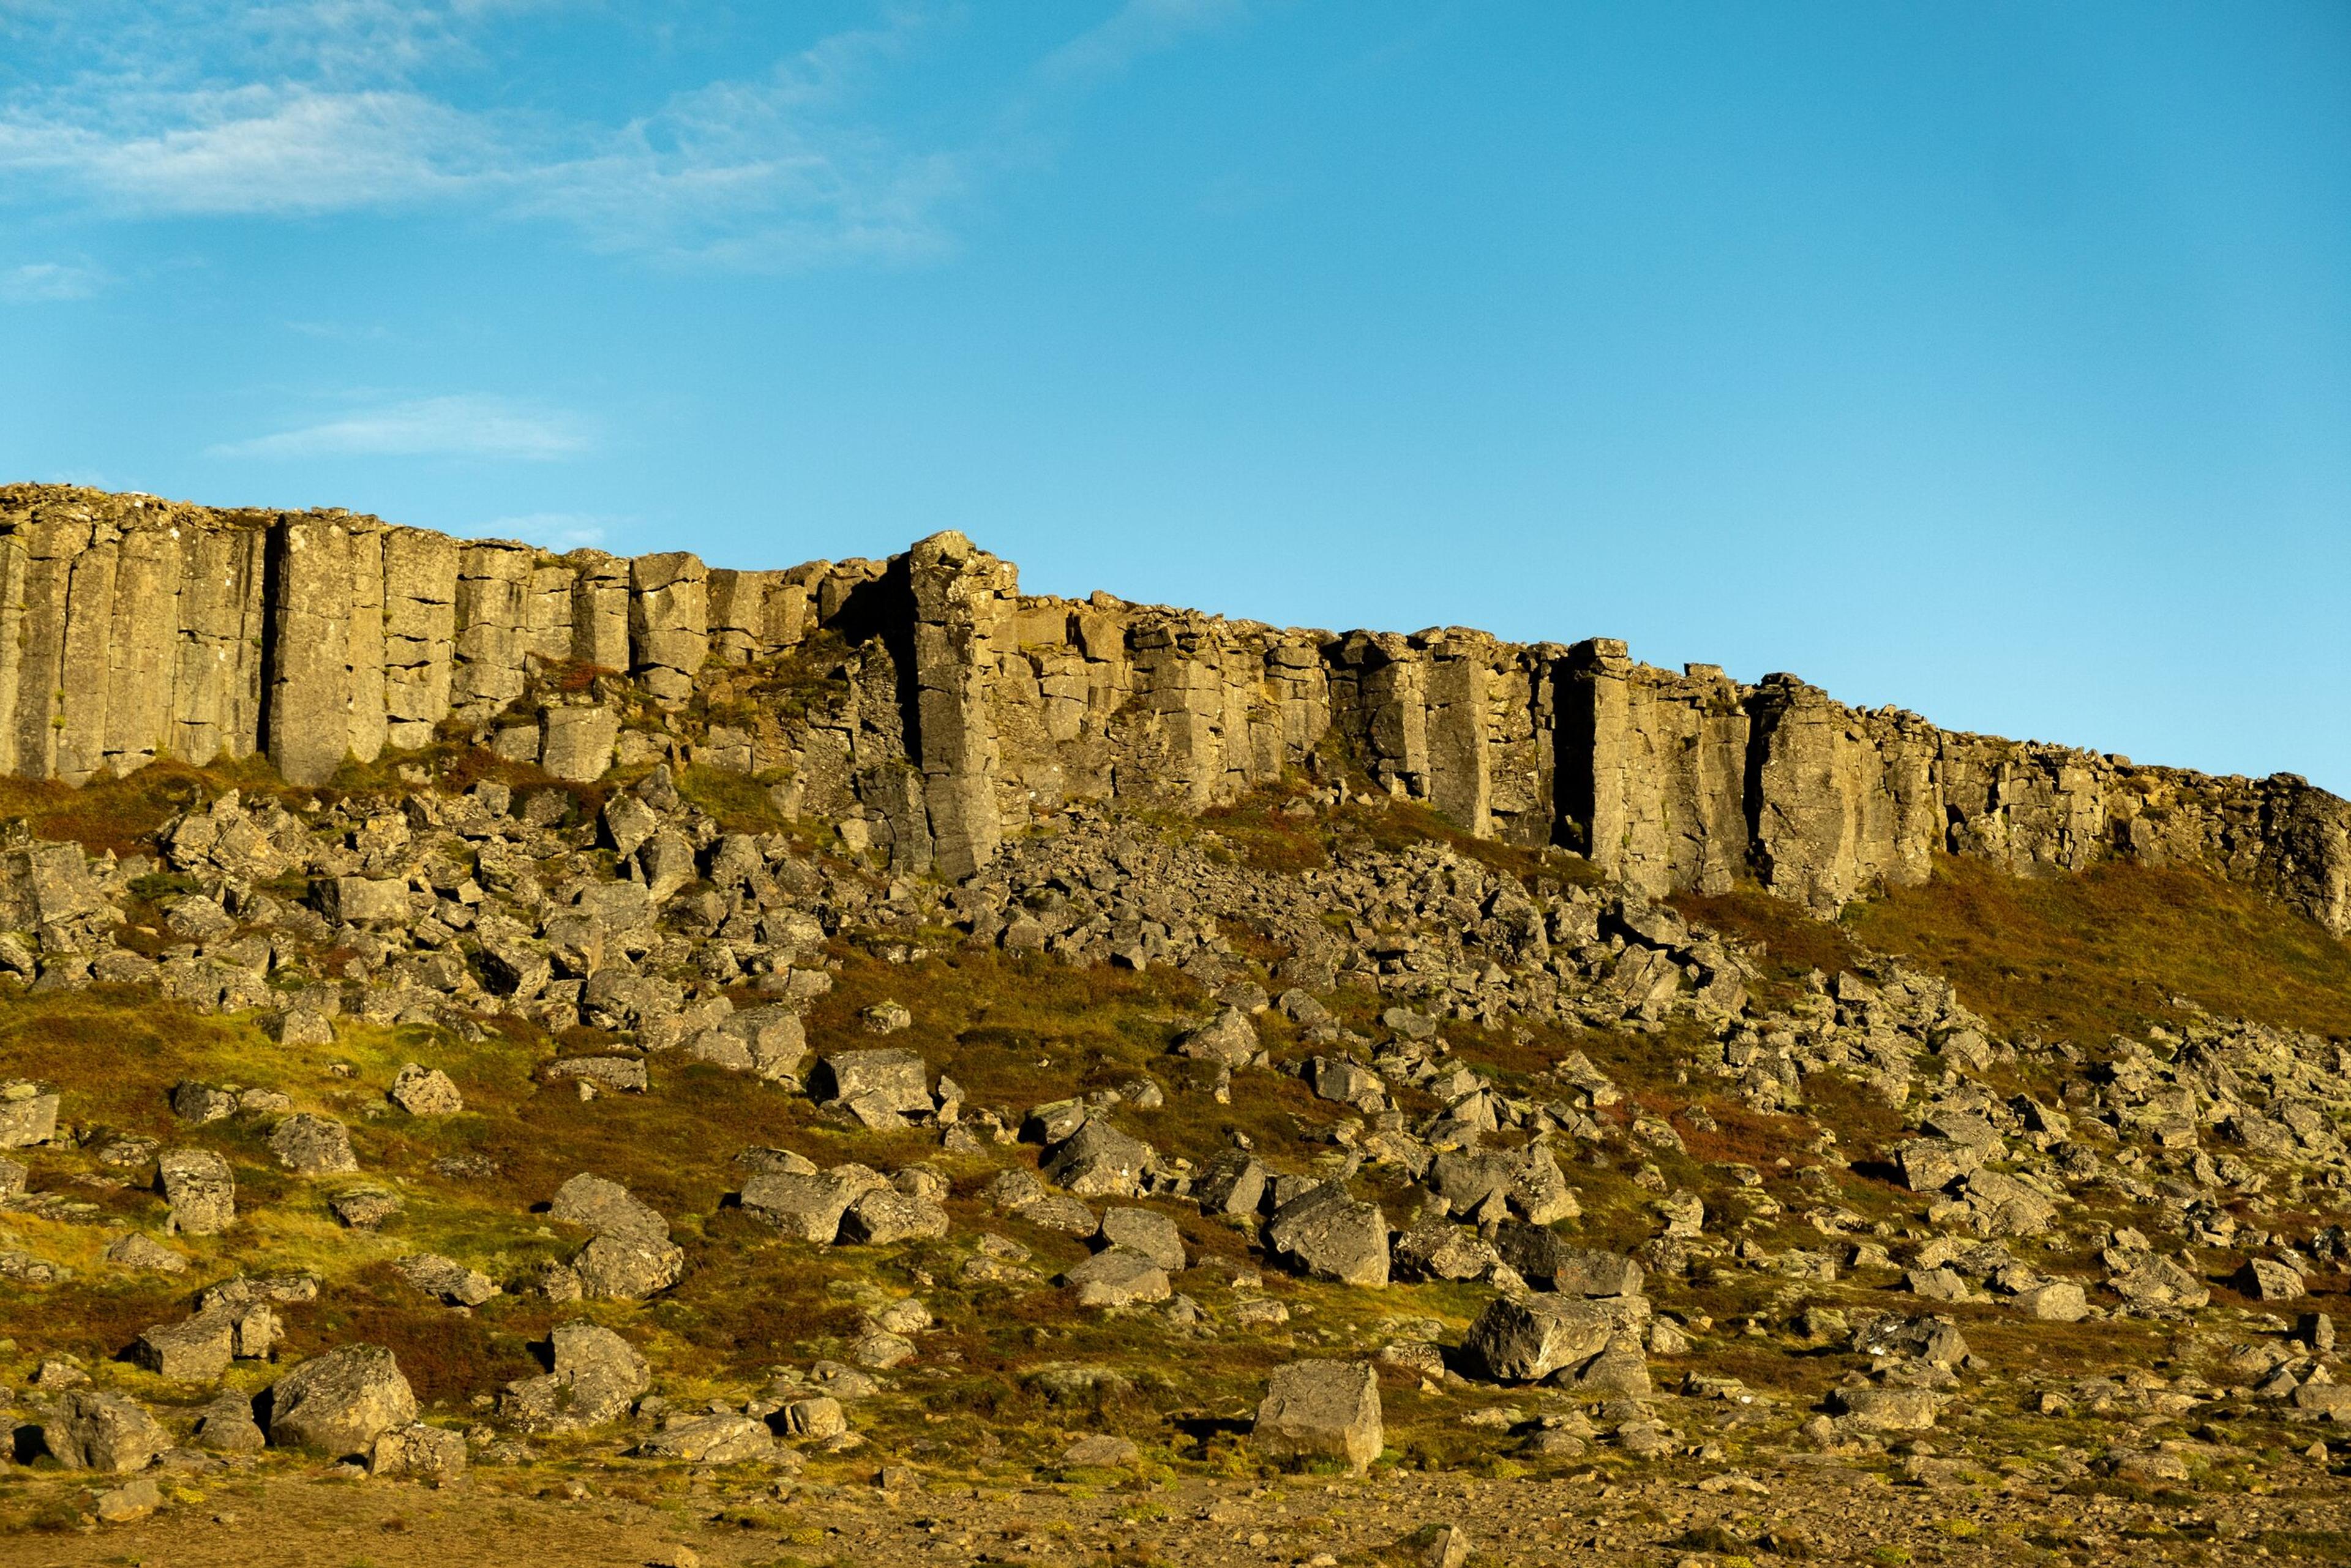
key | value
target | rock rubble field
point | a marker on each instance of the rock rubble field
(648, 1160)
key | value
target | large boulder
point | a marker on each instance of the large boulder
(608, 1209)
(1322, 1410)
(1526, 1182)
(1877, 1409)
(884, 1214)
(27, 1116)
(201, 1190)
(715, 1439)
(890, 1079)
(1328, 1235)
(193, 1350)
(1544, 1256)
(1437, 1248)
(807, 1207)
(1098, 1160)
(310, 1145)
(1145, 1230)
(1233, 1183)
(446, 1277)
(93, 1431)
(423, 1091)
(339, 1403)
(597, 1376)
(1229, 1038)
(1522, 1341)
(419, 1452)
(1118, 1277)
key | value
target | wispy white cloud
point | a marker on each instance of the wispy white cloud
(40, 282)
(1139, 28)
(472, 424)
(293, 108)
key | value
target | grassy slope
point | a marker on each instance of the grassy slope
(2078, 957)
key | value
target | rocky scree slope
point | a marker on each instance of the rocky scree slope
(721, 1101)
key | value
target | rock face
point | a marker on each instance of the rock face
(1322, 1410)
(339, 1403)
(133, 628)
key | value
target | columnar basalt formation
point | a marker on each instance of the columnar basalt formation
(953, 708)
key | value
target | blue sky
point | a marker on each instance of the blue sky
(1991, 361)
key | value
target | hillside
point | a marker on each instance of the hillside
(805, 1096)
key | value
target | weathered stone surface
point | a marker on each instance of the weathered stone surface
(423, 1091)
(1887, 1409)
(195, 1350)
(1524, 1340)
(1147, 1231)
(883, 1216)
(1546, 1258)
(1326, 1233)
(310, 1145)
(576, 742)
(28, 1119)
(807, 1207)
(201, 1190)
(720, 1440)
(445, 1278)
(95, 1431)
(419, 1452)
(1322, 1410)
(596, 1376)
(340, 1402)
(891, 1079)
(1099, 1160)
(1118, 1277)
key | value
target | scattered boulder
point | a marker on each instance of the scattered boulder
(1322, 1410)
(136, 1252)
(418, 1452)
(195, 1350)
(201, 1190)
(450, 1280)
(1325, 1233)
(311, 1145)
(423, 1091)
(1877, 1409)
(894, 1081)
(1145, 1230)
(89, 1430)
(596, 1375)
(1229, 1038)
(1098, 1160)
(807, 1207)
(1525, 1339)
(883, 1216)
(1118, 1277)
(27, 1116)
(341, 1402)
(2267, 1279)
(715, 1439)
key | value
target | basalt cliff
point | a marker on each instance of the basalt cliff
(952, 710)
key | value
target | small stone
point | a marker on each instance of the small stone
(136, 1252)
(1449, 1547)
(1100, 1451)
